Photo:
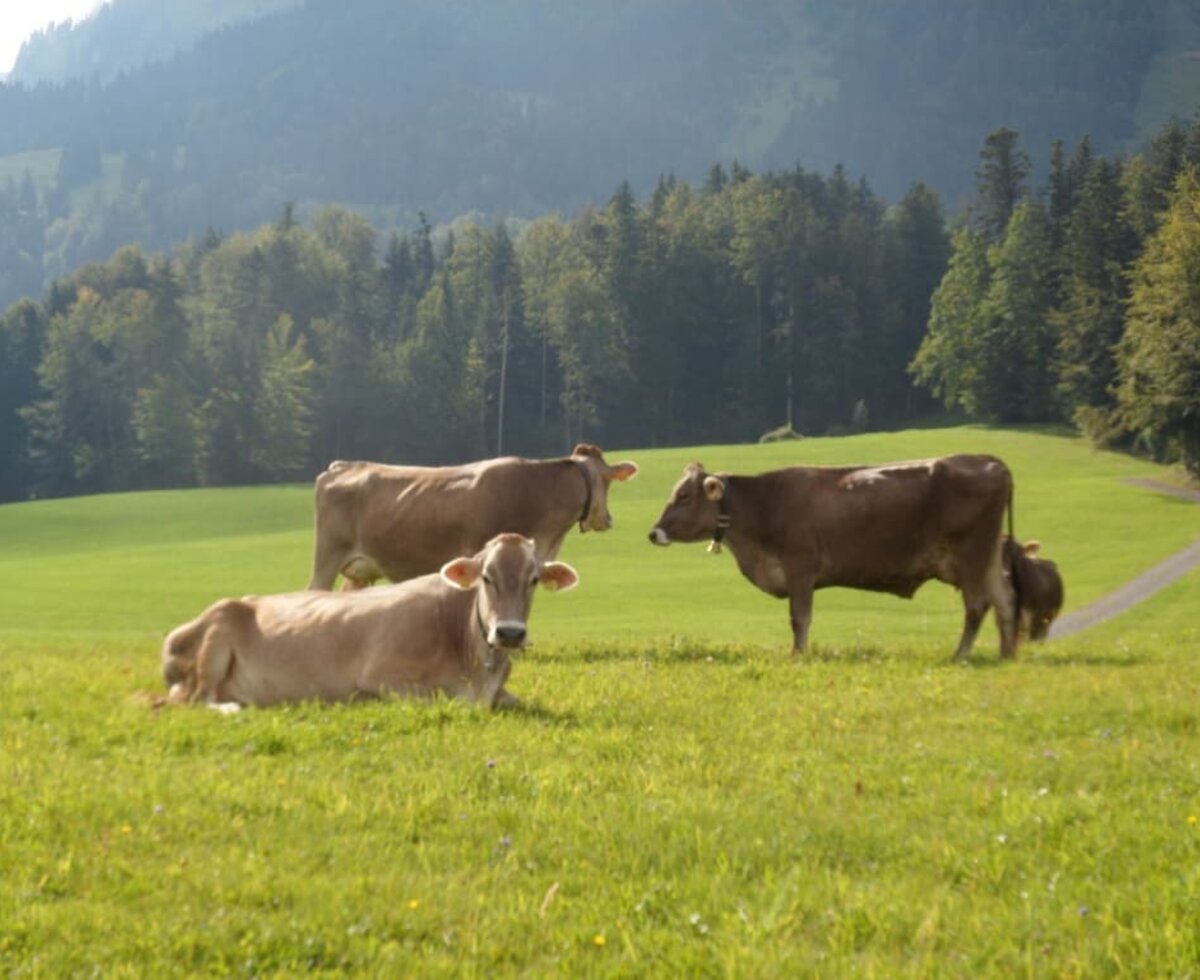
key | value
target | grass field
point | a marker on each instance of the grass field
(677, 796)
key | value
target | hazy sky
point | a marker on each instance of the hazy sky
(20, 18)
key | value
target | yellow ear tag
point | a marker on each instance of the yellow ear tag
(550, 584)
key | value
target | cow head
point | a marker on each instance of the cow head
(1038, 585)
(505, 574)
(598, 476)
(692, 512)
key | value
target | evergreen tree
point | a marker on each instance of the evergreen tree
(1089, 320)
(285, 405)
(949, 360)
(1016, 383)
(22, 330)
(918, 249)
(1158, 395)
(999, 181)
(164, 439)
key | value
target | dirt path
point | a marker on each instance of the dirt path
(1138, 589)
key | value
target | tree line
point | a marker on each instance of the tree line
(754, 303)
(700, 314)
(1077, 301)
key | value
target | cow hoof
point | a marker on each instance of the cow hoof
(506, 700)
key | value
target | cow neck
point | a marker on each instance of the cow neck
(723, 518)
(587, 491)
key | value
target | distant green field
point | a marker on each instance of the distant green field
(677, 796)
(42, 165)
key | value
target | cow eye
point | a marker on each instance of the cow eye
(488, 580)
(536, 578)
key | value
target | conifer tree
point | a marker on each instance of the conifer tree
(1158, 394)
(999, 181)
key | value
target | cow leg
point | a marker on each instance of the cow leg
(326, 565)
(800, 599)
(1003, 602)
(493, 693)
(214, 661)
(975, 608)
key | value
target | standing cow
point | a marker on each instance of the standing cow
(884, 528)
(451, 632)
(1038, 587)
(375, 521)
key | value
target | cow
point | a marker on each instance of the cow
(376, 521)
(452, 632)
(1037, 585)
(886, 528)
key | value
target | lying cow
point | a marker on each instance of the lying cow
(375, 521)
(884, 528)
(1038, 587)
(452, 632)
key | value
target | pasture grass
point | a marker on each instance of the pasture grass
(676, 796)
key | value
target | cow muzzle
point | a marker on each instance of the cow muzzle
(659, 536)
(508, 634)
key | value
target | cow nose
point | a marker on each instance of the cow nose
(659, 536)
(510, 634)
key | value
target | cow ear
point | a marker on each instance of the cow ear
(625, 470)
(714, 489)
(462, 573)
(558, 576)
(1032, 547)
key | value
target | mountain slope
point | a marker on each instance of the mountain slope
(535, 105)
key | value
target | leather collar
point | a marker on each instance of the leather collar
(587, 492)
(723, 518)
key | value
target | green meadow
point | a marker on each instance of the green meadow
(677, 795)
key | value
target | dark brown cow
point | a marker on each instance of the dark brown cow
(886, 528)
(399, 522)
(452, 633)
(1038, 587)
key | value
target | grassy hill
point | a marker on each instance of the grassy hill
(677, 796)
(134, 565)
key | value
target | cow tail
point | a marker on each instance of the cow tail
(1010, 557)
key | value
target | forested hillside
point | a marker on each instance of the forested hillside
(788, 299)
(520, 108)
(700, 314)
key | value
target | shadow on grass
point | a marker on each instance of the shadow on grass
(689, 652)
(1087, 659)
(982, 661)
(670, 652)
(540, 713)
(686, 652)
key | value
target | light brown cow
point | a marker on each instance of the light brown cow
(451, 632)
(884, 528)
(375, 521)
(1038, 587)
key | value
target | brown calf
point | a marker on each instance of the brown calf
(1038, 586)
